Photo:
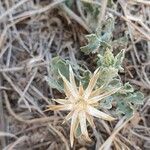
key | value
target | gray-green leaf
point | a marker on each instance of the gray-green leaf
(93, 44)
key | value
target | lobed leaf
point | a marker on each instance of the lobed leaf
(127, 103)
(54, 84)
(94, 43)
(61, 65)
(106, 103)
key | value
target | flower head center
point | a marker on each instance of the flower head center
(81, 104)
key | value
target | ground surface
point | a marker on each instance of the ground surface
(32, 32)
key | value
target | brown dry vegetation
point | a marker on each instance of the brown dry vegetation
(32, 32)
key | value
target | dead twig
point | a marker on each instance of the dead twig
(2, 120)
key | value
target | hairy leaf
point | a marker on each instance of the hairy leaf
(123, 108)
(127, 103)
(94, 43)
(108, 58)
(106, 103)
(69, 3)
(119, 59)
(61, 65)
(54, 84)
(127, 88)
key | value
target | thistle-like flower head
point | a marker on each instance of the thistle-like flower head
(82, 104)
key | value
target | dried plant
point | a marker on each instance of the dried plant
(102, 89)
(98, 91)
(82, 103)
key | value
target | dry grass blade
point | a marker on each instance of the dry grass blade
(13, 8)
(7, 134)
(11, 69)
(31, 12)
(27, 96)
(60, 135)
(18, 141)
(28, 85)
(75, 17)
(18, 118)
(2, 119)
(142, 2)
(40, 94)
(38, 11)
(102, 14)
(106, 145)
